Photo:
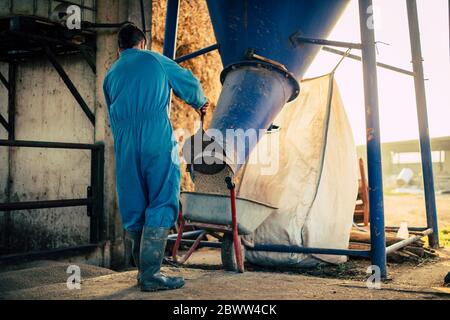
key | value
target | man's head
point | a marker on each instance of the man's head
(130, 36)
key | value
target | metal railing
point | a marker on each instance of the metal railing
(95, 191)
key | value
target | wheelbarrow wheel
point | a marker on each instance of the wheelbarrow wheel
(228, 255)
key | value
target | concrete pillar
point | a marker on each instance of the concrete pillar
(137, 16)
(109, 11)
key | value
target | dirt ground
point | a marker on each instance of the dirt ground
(206, 280)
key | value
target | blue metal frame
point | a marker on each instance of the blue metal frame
(368, 58)
(282, 248)
(421, 102)
(374, 168)
(197, 53)
(297, 249)
(170, 33)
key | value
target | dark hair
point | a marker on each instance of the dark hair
(129, 36)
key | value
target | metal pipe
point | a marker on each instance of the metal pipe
(197, 53)
(322, 42)
(191, 249)
(170, 34)
(90, 60)
(358, 58)
(234, 223)
(28, 205)
(96, 210)
(44, 39)
(414, 229)
(285, 249)
(374, 166)
(45, 144)
(408, 241)
(52, 254)
(186, 234)
(179, 235)
(421, 102)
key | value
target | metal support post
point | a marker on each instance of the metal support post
(377, 234)
(170, 34)
(421, 102)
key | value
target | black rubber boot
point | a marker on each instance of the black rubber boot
(153, 245)
(135, 238)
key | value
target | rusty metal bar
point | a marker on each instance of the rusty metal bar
(408, 241)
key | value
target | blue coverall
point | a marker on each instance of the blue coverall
(137, 92)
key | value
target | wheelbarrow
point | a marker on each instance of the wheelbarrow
(230, 215)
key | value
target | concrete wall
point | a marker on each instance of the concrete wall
(46, 111)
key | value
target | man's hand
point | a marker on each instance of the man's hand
(202, 111)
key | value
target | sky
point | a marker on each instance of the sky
(398, 117)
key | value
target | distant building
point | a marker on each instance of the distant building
(406, 154)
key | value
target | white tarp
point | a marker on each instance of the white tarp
(316, 184)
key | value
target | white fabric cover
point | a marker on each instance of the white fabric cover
(316, 184)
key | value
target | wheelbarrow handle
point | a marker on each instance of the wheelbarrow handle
(230, 183)
(202, 118)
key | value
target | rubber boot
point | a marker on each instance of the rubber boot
(135, 238)
(153, 245)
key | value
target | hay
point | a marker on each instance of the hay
(194, 32)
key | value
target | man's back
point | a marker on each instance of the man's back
(138, 85)
(135, 86)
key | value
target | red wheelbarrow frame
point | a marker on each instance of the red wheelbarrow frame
(234, 230)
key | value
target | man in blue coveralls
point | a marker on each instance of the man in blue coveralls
(137, 92)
